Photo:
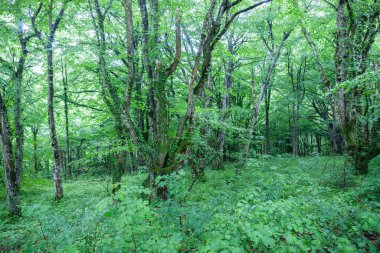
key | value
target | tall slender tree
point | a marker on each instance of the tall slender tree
(48, 42)
(13, 163)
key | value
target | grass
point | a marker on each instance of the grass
(274, 205)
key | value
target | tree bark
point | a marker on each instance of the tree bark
(11, 172)
(53, 134)
(35, 147)
(226, 106)
(267, 97)
(19, 127)
(66, 109)
(50, 81)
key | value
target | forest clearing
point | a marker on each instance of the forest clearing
(190, 126)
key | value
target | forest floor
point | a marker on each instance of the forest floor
(276, 204)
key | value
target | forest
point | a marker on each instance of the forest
(190, 126)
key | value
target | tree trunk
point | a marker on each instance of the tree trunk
(267, 96)
(295, 137)
(65, 99)
(78, 157)
(53, 134)
(118, 173)
(53, 25)
(47, 168)
(226, 105)
(12, 175)
(19, 129)
(109, 91)
(319, 143)
(351, 61)
(35, 146)
(295, 109)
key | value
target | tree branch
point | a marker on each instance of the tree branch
(57, 20)
(330, 4)
(325, 81)
(235, 15)
(178, 49)
(108, 7)
(33, 19)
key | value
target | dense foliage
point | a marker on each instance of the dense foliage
(277, 204)
(197, 125)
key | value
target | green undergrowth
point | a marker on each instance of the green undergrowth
(275, 204)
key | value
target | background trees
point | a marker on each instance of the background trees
(158, 85)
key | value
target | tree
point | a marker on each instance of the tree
(274, 55)
(357, 24)
(48, 41)
(297, 77)
(66, 109)
(13, 163)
